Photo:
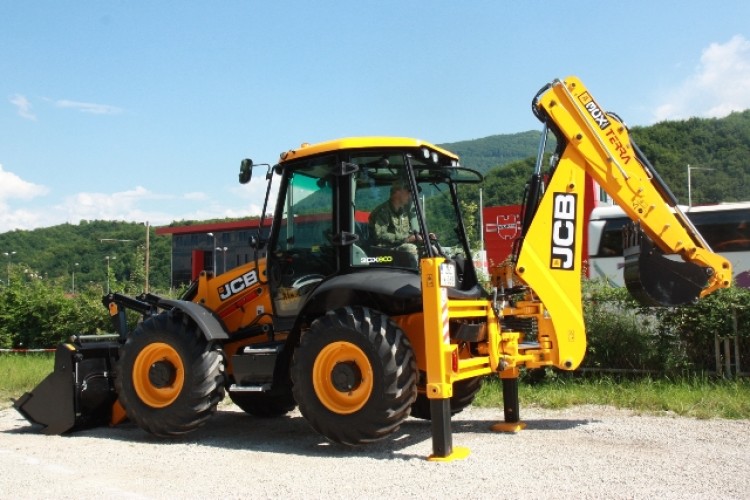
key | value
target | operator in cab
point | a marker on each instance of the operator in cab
(393, 223)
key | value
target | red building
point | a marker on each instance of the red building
(213, 247)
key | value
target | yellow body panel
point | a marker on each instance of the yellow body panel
(550, 262)
(600, 145)
(360, 143)
(239, 297)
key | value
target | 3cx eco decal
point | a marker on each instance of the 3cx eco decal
(384, 259)
(237, 285)
(562, 255)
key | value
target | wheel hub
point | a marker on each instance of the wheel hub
(346, 376)
(342, 377)
(162, 374)
(158, 375)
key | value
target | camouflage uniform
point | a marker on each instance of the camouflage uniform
(390, 228)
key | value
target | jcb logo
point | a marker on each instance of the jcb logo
(237, 285)
(563, 231)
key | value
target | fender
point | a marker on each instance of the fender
(209, 324)
(393, 292)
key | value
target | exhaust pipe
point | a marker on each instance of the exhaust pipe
(78, 394)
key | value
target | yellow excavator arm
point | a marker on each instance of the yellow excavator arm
(598, 143)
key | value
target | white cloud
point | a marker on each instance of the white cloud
(719, 85)
(138, 204)
(123, 205)
(253, 194)
(88, 107)
(12, 186)
(23, 105)
(195, 196)
(11, 219)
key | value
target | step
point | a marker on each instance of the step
(249, 388)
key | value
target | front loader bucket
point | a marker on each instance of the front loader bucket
(79, 393)
(654, 279)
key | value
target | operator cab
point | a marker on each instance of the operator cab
(361, 205)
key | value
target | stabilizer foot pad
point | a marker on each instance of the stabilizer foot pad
(508, 427)
(459, 453)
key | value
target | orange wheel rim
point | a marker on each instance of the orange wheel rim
(158, 375)
(342, 377)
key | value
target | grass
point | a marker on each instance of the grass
(22, 372)
(696, 397)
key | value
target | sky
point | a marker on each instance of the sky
(142, 111)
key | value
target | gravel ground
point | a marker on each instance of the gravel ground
(582, 452)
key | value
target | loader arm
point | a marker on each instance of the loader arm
(598, 143)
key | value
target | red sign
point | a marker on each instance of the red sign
(502, 225)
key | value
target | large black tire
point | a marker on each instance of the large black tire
(168, 378)
(463, 395)
(354, 375)
(265, 405)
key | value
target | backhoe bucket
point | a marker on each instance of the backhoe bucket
(654, 279)
(79, 393)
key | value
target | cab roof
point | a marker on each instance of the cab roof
(370, 142)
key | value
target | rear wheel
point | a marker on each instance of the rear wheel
(463, 395)
(354, 375)
(168, 378)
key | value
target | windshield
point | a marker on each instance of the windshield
(385, 208)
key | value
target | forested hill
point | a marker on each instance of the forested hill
(488, 152)
(721, 145)
(718, 149)
(81, 254)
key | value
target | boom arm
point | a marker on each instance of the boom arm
(599, 144)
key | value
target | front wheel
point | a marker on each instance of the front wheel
(168, 378)
(354, 375)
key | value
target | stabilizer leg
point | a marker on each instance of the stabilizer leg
(442, 436)
(510, 408)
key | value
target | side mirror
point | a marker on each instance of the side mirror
(246, 170)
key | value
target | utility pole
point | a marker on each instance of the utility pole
(74, 278)
(148, 255)
(108, 258)
(10, 257)
(213, 254)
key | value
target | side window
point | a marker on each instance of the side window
(611, 241)
(303, 255)
(725, 231)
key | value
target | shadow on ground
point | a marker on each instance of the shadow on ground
(234, 430)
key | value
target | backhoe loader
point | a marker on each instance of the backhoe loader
(360, 332)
